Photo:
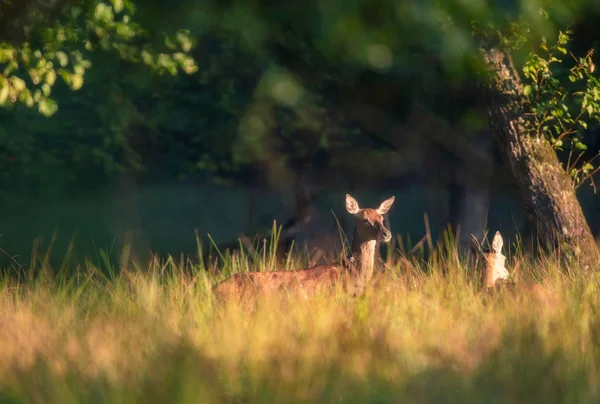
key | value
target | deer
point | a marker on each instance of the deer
(494, 270)
(303, 213)
(287, 235)
(354, 274)
(495, 275)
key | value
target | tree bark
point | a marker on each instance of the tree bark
(545, 188)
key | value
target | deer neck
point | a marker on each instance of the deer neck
(363, 255)
(494, 270)
(488, 275)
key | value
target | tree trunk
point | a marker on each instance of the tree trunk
(544, 186)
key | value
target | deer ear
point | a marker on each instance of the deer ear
(351, 205)
(386, 205)
(497, 243)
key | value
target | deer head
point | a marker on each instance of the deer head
(369, 222)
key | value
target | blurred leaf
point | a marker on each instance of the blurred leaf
(76, 81)
(47, 107)
(118, 5)
(104, 13)
(62, 57)
(3, 94)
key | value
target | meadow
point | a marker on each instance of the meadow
(152, 332)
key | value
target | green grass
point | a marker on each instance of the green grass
(152, 333)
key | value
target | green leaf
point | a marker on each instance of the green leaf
(3, 94)
(76, 81)
(47, 107)
(118, 5)
(185, 40)
(580, 146)
(170, 44)
(46, 89)
(66, 76)
(167, 63)
(6, 55)
(51, 77)
(561, 49)
(104, 13)
(147, 57)
(124, 30)
(26, 98)
(527, 90)
(18, 83)
(79, 69)
(62, 57)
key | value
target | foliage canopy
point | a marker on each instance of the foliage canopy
(260, 85)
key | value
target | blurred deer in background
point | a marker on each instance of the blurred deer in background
(495, 275)
(354, 275)
(302, 214)
(322, 240)
(494, 269)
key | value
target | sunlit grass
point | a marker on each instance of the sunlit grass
(423, 333)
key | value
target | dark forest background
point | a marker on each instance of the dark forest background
(291, 105)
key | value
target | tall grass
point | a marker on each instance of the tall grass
(153, 333)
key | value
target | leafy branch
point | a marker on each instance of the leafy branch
(29, 69)
(563, 110)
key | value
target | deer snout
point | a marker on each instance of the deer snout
(387, 235)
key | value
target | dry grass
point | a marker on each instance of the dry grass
(425, 334)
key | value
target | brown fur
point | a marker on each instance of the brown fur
(354, 277)
(307, 282)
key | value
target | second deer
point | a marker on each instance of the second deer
(495, 276)
(354, 277)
